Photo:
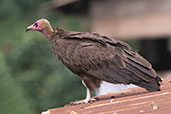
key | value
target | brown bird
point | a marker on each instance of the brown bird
(95, 58)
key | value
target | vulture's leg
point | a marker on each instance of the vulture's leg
(88, 96)
(87, 99)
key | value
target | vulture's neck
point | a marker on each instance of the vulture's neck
(48, 32)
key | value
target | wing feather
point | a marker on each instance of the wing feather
(106, 59)
(135, 57)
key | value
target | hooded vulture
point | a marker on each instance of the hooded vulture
(97, 58)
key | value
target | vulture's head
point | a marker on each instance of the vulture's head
(43, 26)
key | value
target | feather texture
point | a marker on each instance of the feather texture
(95, 58)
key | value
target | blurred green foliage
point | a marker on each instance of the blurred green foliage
(32, 80)
(11, 95)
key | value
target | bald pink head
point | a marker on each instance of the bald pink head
(43, 26)
(35, 26)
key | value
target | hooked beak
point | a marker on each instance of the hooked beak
(29, 28)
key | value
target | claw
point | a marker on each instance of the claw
(78, 102)
(88, 98)
(82, 101)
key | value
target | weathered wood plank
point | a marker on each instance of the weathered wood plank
(130, 101)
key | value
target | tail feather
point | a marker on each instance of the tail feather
(143, 70)
(152, 86)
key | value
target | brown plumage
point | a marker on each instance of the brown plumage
(95, 58)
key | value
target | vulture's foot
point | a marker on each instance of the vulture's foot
(83, 101)
(88, 98)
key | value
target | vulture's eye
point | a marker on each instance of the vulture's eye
(36, 25)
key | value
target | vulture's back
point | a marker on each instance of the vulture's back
(105, 59)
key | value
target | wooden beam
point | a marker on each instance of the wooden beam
(131, 18)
